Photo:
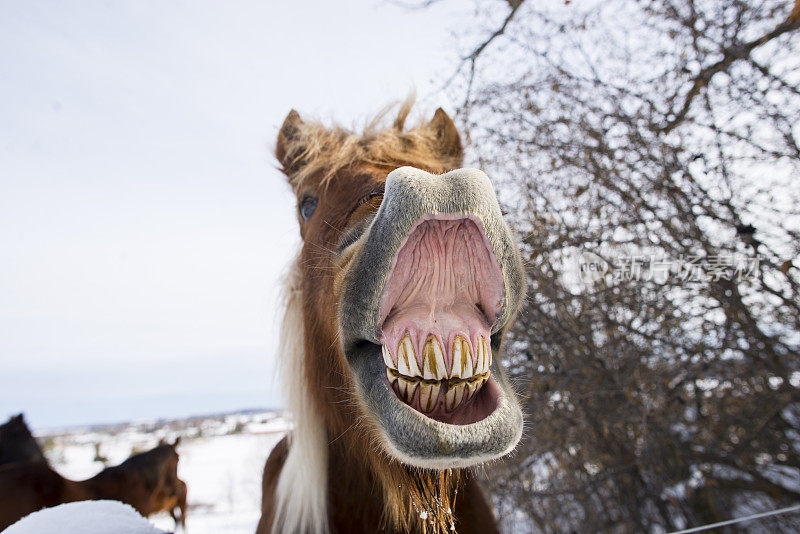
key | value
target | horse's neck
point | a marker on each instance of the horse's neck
(357, 500)
(355, 495)
(104, 485)
(55, 489)
(25, 451)
(78, 490)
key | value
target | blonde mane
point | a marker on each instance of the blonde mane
(301, 495)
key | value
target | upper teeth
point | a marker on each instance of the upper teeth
(433, 366)
(431, 378)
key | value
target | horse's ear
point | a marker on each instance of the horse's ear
(175, 443)
(286, 148)
(446, 135)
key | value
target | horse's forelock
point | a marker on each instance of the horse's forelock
(311, 151)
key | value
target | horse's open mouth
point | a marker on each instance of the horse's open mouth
(444, 292)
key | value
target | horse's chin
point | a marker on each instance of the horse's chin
(425, 300)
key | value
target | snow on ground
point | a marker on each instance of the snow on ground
(221, 460)
(92, 517)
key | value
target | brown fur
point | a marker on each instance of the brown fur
(269, 483)
(176, 505)
(368, 491)
(472, 512)
(148, 482)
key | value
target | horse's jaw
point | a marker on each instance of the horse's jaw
(424, 300)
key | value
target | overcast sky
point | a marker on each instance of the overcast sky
(143, 223)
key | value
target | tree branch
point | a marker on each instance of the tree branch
(472, 57)
(729, 55)
(515, 5)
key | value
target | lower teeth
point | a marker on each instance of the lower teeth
(449, 393)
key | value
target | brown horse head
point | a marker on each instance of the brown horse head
(407, 279)
(17, 444)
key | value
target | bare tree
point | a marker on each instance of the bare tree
(655, 142)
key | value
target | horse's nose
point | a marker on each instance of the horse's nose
(413, 193)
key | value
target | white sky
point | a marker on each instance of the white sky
(143, 225)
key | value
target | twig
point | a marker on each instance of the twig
(729, 55)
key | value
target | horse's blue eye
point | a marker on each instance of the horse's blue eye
(307, 207)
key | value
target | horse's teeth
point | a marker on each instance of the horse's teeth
(402, 386)
(460, 391)
(424, 388)
(424, 396)
(431, 365)
(407, 388)
(428, 396)
(450, 398)
(387, 357)
(470, 390)
(473, 387)
(391, 377)
(402, 360)
(412, 391)
(433, 359)
(462, 359)
(481, 382)
(406, 360)
(411, 357)
(484, 356)
(481, 355)
(454, 396)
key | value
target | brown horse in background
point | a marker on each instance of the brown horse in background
(147, 481)
(396, 307)
(17, 444)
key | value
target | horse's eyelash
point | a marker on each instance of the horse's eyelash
(366, 198)
(351, 236)
(354, 234)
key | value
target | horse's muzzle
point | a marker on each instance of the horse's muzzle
(425, 300)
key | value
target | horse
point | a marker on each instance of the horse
(17, 444)
(147, 481)
(406, 280)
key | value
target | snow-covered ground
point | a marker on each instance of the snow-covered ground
(221, 459)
